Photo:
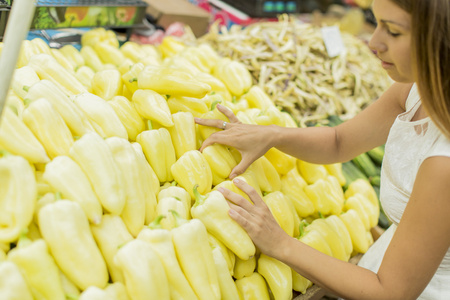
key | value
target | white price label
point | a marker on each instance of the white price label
(333, 41)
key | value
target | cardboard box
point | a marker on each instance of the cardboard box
(170, 11)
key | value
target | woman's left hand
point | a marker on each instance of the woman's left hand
(255, 218)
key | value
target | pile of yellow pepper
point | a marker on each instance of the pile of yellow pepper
(104, 194)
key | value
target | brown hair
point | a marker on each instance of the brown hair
(431, 54)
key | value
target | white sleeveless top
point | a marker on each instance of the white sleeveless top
(409, 143)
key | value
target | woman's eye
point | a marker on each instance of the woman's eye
(393, 34)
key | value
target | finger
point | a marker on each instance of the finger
(250, 191)
(228, 113)
(235, 198)
(241, 167)
(212, 139)
(209, 122)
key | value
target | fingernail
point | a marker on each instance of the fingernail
(236, 180)
(232, 212)
(221, 189)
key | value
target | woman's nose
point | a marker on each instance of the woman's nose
(376, 43)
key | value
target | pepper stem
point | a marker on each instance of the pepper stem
(178, 219)
(149, 125)
(24, 240)
(156, 224)
(301, 227)
(199, 198)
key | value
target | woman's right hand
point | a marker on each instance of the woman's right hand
(252, 141)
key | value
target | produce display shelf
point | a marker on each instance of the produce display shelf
(54, 14)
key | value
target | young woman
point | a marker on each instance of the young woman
(411, 260)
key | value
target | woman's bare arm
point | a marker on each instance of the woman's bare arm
(415, 252)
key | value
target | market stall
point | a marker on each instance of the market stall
(104, 193)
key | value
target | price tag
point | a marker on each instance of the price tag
(333, 41)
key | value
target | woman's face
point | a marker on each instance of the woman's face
(392, 40)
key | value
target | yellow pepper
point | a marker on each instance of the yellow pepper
(277, 275)
(17, 200)
(97, 35)
(128, 115)
(133, 213)
(288, 121)
(292, 185)
(194, 254)
(114, 291)
(170, 46)
(38, 267)
(125, 66)
(331, 236)
(73, 116)
(316, 240)
(27, 50)
(163, 208)
(311, 172)
(132, 51)
(237, 105)
(282, 162)
(336, 188)
(171, 81)
(192, 169)
(66, 176)
(217, 86)
(12, 284)
(227, 253)
(258, 98)
(228, 289)
(336, 171)
(234, 75)
(213, 113)
(365, 209)
(159, 151)
(48, 126)
(46, 67)
(181, 63)
(15, 103)
(179, 193)
(18, 139)
(84, 74)
(73, 56)
(41, 45)
(212, 209)
(253, 287)
(23, 77)
(266, 175)
(62, 60)
(244, 268)
(183, 133)
(109, 54)
(107, 84)
(130, 78)
(362, 186)
(143, 270)
(149, 183)
(197, 107)
(151, 105)
(221, 162)
(196, 57)
(281, 210)
(102, 116)
(109, 235)
(300, 283)
(355, 227)
(65, 228)
(339, 226)
(323, 197)
(91, 59)
(96, 159)
(161, 242)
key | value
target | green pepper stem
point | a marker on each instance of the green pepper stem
(199, 198)
(149, 124)
(24, 240)
(301, 227)
(214, 104)
(178, 219)
(156, 224)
